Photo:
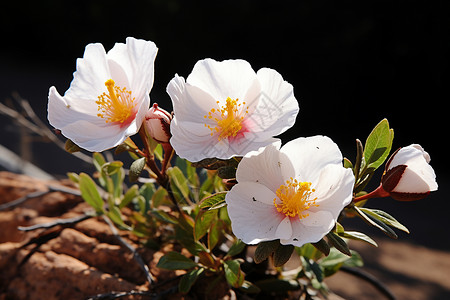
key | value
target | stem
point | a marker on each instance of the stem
(379, 192)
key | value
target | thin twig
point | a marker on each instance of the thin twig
(21, 200)
(68, 221)
(370, 279)
(137, 257)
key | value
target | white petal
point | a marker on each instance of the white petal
(133, 62)
(253, 216)
(311, 155)
(229, 78)
(310, 229)
(284, 230)
(264, 168)
(277, 107)
(89, 79)
(334, 189)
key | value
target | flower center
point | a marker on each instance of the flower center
(295, 198)
(116, 105)
(229, 118)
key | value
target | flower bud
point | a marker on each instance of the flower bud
(408, 175)
(157, 124)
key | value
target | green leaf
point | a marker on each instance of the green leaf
(233, 273)
(175, 261)
(338, 243)
(90, 193)
(378, 145)
(98, 161)
(203, 222)
(333, 262)
(385, 218)
(179, 181)
(188, 280)
(265, 249)
(71, 147)
(215, 234)
(359, 236)
(236, 248)
(73, 177)
(322, 246)
(214, 201)
(115, 215)
(282, 254)
(111, 168)
(347, 163)
(375, 222)
(136, 169)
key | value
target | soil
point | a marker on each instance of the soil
(86, 259)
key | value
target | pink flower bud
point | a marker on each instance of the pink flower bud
(408, 175)
(157, 124)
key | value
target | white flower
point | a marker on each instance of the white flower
(225, 109)
(108, 97)
(294, 194)
(408, 174)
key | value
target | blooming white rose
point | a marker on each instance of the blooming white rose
(294, 194)
(225, 109)
(108, 97)
(408, 174)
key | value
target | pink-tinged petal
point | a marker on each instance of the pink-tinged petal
(222, 79)
(253, 217)
(264, 168)
(277, 107)
(311, 155)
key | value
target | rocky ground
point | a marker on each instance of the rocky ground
(76, 262)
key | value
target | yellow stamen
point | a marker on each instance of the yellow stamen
(294, 198)
(229, 118)
(116, 105)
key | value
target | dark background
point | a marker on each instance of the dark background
(351, 63)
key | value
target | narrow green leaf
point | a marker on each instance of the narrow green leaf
(347, 163)
(322, 246)
(188, 280)
(178, 180)
(90, 193)
(115, 216)
(338, 243)
(98, 161)
(359, 236)
(175, 261)
(385, 218)
(136, 169)
(233, 273)
(73, 177)
(282, 254)
(375, 222)
(214, 201)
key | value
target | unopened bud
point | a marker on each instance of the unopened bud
(157, 124)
